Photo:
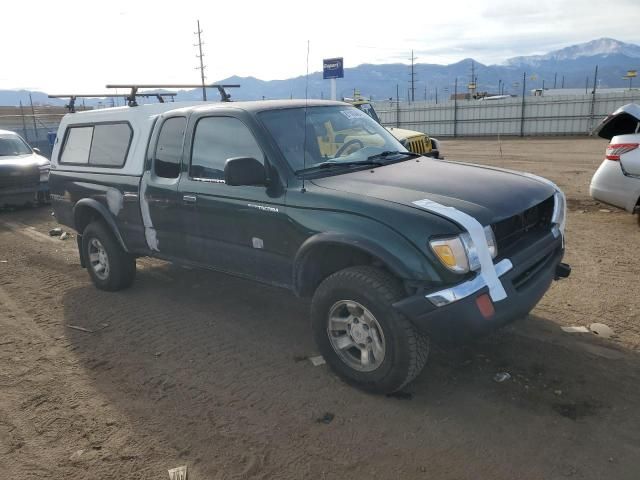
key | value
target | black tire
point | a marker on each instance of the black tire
(121, 266)
(406, 349)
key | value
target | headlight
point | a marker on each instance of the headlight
(559, 217)
(44, 173)
(459, 254)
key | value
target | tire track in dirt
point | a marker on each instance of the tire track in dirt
(199, 368)
(51, 418)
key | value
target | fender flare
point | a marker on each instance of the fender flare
(394, 264)
(104, 213)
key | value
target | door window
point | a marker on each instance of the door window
(215, 141)
(169, 148)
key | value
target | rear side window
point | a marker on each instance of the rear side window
(216, 140)
(78, 145)
(100, 145)
(166, 163)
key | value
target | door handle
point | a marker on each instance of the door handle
(189, 198)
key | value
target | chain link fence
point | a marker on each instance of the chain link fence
(517, 116)
(35, 125)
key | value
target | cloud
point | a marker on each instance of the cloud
(137, 42)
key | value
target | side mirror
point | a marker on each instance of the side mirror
(244, 171)
(37, 150)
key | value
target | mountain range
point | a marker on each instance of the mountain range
(570, 67)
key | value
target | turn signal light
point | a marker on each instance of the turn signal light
(446, 255)
(614, 150)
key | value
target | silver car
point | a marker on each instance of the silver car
(24, 173)
(617, 181)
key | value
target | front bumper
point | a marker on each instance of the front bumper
(453, 314)
(19, 195)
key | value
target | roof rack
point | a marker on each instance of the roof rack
(224, 96)
(71, 106)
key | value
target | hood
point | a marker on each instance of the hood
(489, 195)
(13, 161)
(623, 121)
(401, 133)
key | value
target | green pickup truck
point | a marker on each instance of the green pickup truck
(393, 248)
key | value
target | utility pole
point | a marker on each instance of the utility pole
(555, 78)
(201, 67)
(413, 77)
(472, 84)
(562, 82)
(436, 95)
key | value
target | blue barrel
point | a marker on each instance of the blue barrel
(51, 136)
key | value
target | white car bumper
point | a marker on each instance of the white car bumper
(610, 185)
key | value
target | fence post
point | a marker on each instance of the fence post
(24, 125)
(593, 101)
(397, 106)
(455, 108)
(524, 89)
(33, 117)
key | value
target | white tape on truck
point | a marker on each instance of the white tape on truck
(476, 231)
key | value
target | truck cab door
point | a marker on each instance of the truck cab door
(236, 229)
(159, 202)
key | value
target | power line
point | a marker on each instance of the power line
(201, 67)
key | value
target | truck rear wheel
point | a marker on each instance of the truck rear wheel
(109, 266)
(361, 336)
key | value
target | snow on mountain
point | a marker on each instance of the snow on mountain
(600, 47)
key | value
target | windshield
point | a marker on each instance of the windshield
(11, 145)
(368, 109)
(340, 134)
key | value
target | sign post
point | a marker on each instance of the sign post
(333, 68)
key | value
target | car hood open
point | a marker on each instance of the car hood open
(487, 194)
(623, 121)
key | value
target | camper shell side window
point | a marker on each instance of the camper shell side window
(103, 144)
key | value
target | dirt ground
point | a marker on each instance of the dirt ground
(195, 368)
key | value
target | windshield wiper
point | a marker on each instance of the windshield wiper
(338, 163)
(332, 163)
(377, 160)
(388, 153)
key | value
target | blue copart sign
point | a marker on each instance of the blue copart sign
(332, 68)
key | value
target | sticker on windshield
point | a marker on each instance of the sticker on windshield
(353, 113)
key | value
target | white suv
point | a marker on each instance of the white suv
(617, 181)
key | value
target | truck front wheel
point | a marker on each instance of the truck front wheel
(361, 336)
(110, 267)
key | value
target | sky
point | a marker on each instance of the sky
(79, 46)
